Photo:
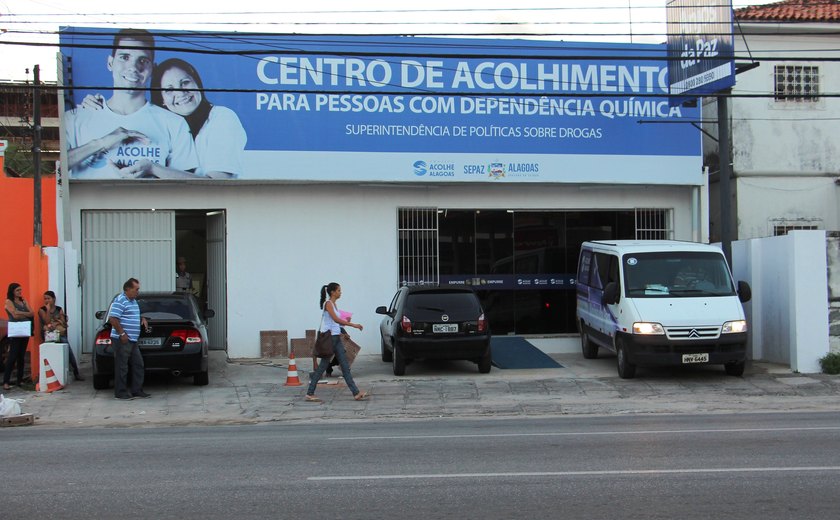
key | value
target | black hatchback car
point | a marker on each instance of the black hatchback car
(434, 323)
(176, 341)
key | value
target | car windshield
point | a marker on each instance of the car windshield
(444, 302)
(165, 308)
(676, 274)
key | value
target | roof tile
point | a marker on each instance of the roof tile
(792, 11)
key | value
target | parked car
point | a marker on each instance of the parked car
(434, 323)
(176, 341)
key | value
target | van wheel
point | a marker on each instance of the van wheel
(626, 369)
(735, 369)
(398, 362)
(589, 349)
(386, 354)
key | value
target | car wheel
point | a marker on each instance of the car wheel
(735, 369)
(398, 361)
(201, 378)
(386, 354)
(626, 369)
(589, 349)
(100, 381)
(485, 362)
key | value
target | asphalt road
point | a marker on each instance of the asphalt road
(761, 466)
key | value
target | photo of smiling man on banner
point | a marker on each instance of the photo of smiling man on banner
(126, 136)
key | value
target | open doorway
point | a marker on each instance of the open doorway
(200, 241)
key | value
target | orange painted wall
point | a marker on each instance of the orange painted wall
(20, 260)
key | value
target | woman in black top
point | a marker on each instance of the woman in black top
(18, 310)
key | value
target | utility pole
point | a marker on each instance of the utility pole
(36, 155)
(725, 173)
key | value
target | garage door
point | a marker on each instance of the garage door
(116, 246)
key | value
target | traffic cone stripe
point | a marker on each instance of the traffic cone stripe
(292, 378)
(52, 381)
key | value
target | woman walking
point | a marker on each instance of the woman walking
(17, 310)
(333, 323)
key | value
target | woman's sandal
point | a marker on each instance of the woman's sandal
(361, 396)
(313, 399)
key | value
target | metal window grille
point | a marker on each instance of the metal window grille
(654, 224)
(784, 226)
(797, 83)
(418, 246)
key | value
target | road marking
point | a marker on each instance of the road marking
(580, 473)
(570, 434)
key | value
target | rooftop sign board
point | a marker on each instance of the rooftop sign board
(362, 108)
(700, 47)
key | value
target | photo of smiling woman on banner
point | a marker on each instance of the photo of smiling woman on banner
(219, 136)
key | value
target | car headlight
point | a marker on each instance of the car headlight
(731, 327)
(643, 327)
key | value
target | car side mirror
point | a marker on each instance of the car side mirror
(382, 310)
(209, 313)
(99, 315)
(744, 291)
(610, 296)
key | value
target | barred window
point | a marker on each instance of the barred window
(783, 226)
(654, 224)
(419, 262)
(797, 83)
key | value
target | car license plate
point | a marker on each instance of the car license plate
(150, 342)
(444, 328)
(695, 358)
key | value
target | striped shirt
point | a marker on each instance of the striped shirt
(128, 312)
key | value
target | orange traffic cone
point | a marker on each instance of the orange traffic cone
(52, 381)
(292, 378)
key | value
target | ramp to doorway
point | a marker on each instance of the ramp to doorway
(517, 352)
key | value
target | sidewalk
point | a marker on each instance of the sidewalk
(247, 392)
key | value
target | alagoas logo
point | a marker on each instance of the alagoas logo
(420, 168)
(496, 170)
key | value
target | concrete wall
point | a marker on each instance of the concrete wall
(788, 314)
(833, 259)
(285, 241)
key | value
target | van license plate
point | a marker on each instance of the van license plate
(695, 358)
(444, 328)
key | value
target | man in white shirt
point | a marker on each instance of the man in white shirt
(129, 137)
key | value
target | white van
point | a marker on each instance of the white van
(660, 302)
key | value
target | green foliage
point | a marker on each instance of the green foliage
(830, 363)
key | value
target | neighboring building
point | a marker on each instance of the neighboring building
(785, 149)
(375, 161)
(16, 126)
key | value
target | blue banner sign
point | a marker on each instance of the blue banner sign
(363, 108)
(700, 47)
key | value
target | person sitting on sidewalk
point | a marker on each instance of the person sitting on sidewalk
(53, 319)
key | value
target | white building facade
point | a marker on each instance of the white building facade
(482, 183)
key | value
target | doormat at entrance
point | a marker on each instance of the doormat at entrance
(516, 352)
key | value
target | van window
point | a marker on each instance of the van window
(676, 274)
(583, 267)
(601, 270)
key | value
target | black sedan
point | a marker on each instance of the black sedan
(176, 341)
(434, 323)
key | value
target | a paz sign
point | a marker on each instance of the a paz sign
(700, 47)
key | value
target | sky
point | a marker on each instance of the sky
(24, 24)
